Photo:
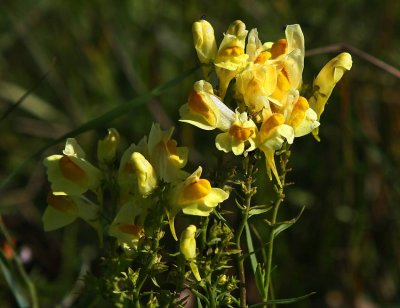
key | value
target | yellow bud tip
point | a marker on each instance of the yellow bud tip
(197, 190)
(71, 170)
(241, 133)
(237, 28)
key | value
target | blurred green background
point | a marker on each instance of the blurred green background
(99, 54)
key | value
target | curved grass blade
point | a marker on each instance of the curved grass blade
(107, 117)
(23, 97)
(13, 282)
(283, 300)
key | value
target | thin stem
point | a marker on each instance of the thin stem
(211, 295)
(249, 191)
(281, 196)
(357, 52)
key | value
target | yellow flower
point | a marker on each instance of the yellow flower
(288, 57)
(165, 156)
(254, 48)
(255, 84)
(302, 118)
(271, 137)
(70, 173)
(194, 196)
(241, 131)
(63, 210)
(107, 148)
(205, 110)
(125, 226)
(188, 249)
(231, 57)
(204, 41)
(326, 80)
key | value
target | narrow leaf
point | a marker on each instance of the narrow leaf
(283, 300)
(287, 224)
(249, 241)
(257, 211)
(14, 282)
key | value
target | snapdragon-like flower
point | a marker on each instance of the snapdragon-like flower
(125, 226)
(194, 196)
(255, 85)
(63, 210)
(165, 156)
(288, 54)
(70, 173)
(326, 80)
(271, 137)
(299, 115)
(242, 131)
(187, 247)
(205, 110)
(231, 58)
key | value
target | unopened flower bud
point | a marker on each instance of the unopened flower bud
(188, 248)
(145, 173)
(204, 41)
(107, 148)
(237, 28)
(326, 80)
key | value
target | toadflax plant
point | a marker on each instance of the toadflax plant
(134, 202)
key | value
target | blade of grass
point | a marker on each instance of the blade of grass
(107, 117)
(283, 301)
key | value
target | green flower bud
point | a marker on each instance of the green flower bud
(107, 148)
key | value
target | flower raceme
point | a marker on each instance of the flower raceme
(149, 173)
(266, 79)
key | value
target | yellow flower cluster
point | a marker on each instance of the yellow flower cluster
(265, 80)
(155, 162)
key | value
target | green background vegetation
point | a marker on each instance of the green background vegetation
(101, 54)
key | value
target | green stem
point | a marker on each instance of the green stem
(249, 192)
(281, 196)
(211, 295)
(158, 234)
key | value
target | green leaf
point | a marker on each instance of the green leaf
(122, 109)
(282, 226)
(257, 210)
(249, 241)
(283, 300)
(260, 278)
